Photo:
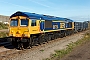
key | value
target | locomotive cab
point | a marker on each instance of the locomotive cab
(22, 26)
(19, 27)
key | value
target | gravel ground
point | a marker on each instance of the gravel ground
(45, 50)
(3, 49)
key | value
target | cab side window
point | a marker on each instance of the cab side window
(33, 23)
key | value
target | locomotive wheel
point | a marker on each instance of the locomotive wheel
(49, 37)
(30, 43)
(40, 40)
(61, 35)
(65, 34)
(55, 36)
(20, 46)
(46, 38)
(43, 39)
(52, 37)
(14, 42)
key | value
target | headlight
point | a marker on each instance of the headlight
(11, 31)
(25, 35)
(11, 34)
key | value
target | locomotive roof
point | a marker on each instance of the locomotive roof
(37, 16)
(68, 20)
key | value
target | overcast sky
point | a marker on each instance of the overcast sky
(61, 8)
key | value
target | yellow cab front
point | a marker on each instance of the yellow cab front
(19, 27)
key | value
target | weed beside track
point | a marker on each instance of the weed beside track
(61, 53)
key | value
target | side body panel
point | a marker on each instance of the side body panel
(70, 25)
(50, 26)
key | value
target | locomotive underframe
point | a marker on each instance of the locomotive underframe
(24, 42)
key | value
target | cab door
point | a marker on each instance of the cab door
(35, 26)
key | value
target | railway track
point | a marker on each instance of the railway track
(4, 43)
(8, 51)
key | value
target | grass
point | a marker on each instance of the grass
(42, 50)
(61, 53)
(3, 26)
(3, 34)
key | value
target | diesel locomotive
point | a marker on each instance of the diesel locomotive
(27, 29)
